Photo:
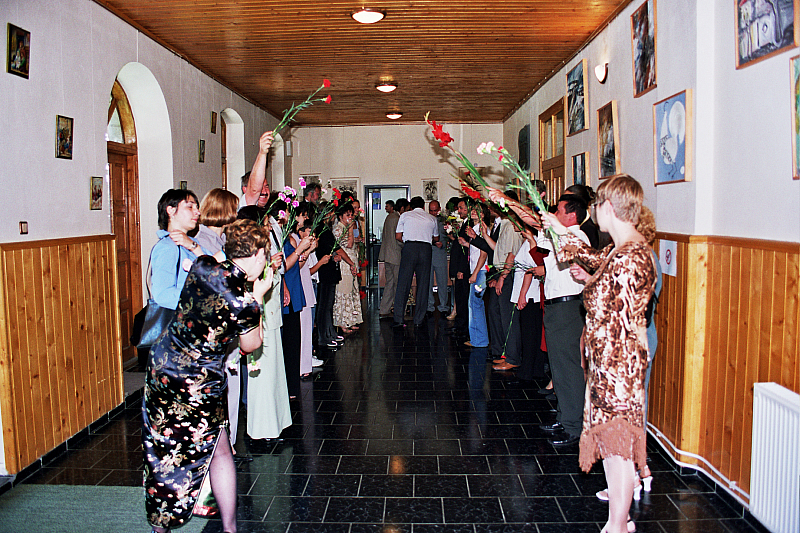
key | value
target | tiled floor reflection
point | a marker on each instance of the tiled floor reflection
(411, 432)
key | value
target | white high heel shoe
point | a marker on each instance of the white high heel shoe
(645, 483)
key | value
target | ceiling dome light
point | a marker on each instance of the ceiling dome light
(367, 15)
(386, 86)
(394, 115)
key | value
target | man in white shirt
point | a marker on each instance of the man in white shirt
(563, 326)
(256, 190)
(417, 230)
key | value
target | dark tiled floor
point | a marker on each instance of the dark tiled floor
(410, 432)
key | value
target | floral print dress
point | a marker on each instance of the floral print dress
(615, 340)
(347, 304)
(184, 406)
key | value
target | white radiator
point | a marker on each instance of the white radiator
(775, 461)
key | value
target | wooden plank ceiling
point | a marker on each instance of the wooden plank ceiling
(465, 61)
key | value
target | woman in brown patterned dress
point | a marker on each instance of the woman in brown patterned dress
(615, 340)
(184, 408)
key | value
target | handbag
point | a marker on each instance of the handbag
(152, 320)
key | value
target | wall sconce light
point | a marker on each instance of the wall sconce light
(368, 16)
(394, 115)
(288, 146)
(386, 86)
(601, 72)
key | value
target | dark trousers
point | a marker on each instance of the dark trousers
(415, 260)
(325, 330)
(290, 337)
(461, 298)
(497, 336)
(533, 357)
(509, 323)
(563, 326)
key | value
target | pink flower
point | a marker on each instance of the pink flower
(302, 182)
(281, 214)
(295, 204)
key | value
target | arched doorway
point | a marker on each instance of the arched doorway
(233, 166)
(153, 168)
(124, 182)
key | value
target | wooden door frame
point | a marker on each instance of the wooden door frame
(547, 165)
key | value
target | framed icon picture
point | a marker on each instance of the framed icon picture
(672, 138)
(643, 48)
(608, 147)
(213, 122)
(64, 137)
(19, 50)
(577, 120)
(96, 193)
(201, 151)
(579, 168)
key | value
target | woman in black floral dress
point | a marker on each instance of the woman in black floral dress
(184, 408)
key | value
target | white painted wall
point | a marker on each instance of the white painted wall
(742, 162)
(77, 50)
(396, 154)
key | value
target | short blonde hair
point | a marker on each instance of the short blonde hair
(647, 225)
(625, 195)
(218, 208)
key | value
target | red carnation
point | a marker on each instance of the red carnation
(328, 99)
(326, 82)
(336, 193)
(472, 193)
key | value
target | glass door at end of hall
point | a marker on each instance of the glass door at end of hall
(375, 214)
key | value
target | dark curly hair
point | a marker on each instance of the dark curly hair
(244, 238)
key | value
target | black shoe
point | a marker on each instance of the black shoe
(552, 428)
(550, 397)
(564, 439)
(398, 325)
(545, 392)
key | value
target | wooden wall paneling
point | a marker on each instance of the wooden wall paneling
(38, 352)
(115, 343)
(777, 327)
(55, 321)
(79, 338)
(790, 375)
(28, 366)
(100, 327)
(714, 397)
(67, 342)
(92, 332)
(7, 374)
(48, 343)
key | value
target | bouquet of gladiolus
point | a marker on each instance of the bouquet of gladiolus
(288, 114)
(508, 162)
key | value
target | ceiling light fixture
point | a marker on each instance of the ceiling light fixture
(368, 16)
(394, 115)
(386, 86)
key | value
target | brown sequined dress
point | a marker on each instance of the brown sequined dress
(615, 340)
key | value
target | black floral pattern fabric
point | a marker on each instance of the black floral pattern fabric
(184, 406)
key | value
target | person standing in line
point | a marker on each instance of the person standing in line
(390, 255)
(255, 189)
(438, 263)
(460, 271)
(417, 229)
(563, 327)
(486, 242)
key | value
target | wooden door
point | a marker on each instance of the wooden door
(551, 150)
(124, 183)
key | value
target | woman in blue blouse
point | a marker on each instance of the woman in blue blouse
(173, 254)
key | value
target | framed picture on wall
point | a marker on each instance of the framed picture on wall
(184, 185)
(95, 193)
(346, 185)
(608, 140)
(430, 190)
(577, 120)
(213, 122)
(764, 29)
(201, 151)
(19, 49)
(672, 138)
(795, 94)
(643, 48)
(64, 137)
(579, 168)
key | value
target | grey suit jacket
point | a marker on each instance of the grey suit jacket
(390, 246)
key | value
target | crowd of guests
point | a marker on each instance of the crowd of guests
(287, 288)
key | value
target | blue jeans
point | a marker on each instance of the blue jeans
(478, 332)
